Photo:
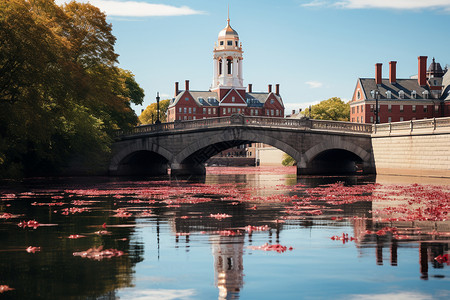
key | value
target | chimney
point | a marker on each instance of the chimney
(187, 85)
(277, 89)
(378, 73)
(176, 88)
(392, 71)
(250, 89)
(422, 77)
(270, 88)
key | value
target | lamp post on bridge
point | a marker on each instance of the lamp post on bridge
(157, 109)
(375, 94)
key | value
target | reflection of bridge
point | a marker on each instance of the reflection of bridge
(317, 146)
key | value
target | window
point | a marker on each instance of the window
(185, 118)
(185, 109)
(277, 112)
(362, 108)
(413, 108)
(238, 110)
(195, 110)
(358, 95)
(267, 112)
(221, 43)
(436, 108)
(187, 98)
(353, 120)
(251, 112)
(229, 110)
(401, 94)
(234, 109)
(401, 119)
(194, 118)
(236, 43)
(271, 101)
(179, 109)
(389, 120)
(357, 119)
(388, 94)
(190, 110)
(204, 110)
(233, 99)
(401, 108)
(256, 112)
(362, 119)
(425, 94)
(230, 43)
(389, 108)
(371, 119)
(272, 112)
(425, 108)
(209, 111)
(214, 110)
(371, 107)
(414, 94)
(224, 110)
(357, 109)
(353, 110)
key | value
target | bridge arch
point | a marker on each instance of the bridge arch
(140, 158)
(335, 156)
(192, 157)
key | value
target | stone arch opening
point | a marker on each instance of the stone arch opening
(192, 159)
(142, 163)
(334, 161)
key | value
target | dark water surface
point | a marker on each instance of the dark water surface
(247, 233)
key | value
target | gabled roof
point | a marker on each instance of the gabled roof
(259, 99)
(406, 85)
(198, 95)
(446, 86)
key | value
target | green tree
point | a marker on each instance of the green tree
(61, 94)
(148, 116)
(288, 160)
(332, 109)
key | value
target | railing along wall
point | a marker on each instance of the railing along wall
(305, 124)
(413, 125)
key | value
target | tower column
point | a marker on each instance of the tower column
(216, 65)
(224, 66)
(235, 63)
(240, 69)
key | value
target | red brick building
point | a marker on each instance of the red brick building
(227, 94)
(420, 97)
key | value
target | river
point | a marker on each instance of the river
(237, 233)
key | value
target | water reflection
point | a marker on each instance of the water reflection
(215, 227)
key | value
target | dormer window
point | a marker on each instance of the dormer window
(372, 92)
(414, 94)
(388, 94)
(425, 94)
(401, 94)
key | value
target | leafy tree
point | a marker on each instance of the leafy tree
(148, 116)
(288, 160)
(61, 94)
(332, 109)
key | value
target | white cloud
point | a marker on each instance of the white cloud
(137, 9)
(159, 294)
(383, 4)
(393, 296)
(314, 84)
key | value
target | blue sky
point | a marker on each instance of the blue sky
(315, 49)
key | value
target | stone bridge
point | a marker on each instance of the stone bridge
(319, 147)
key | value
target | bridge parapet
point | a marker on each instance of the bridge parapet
(424, 126)
(251, 121)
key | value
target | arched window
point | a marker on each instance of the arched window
(220, 67)
(230, 63)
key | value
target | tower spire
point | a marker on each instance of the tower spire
(228, 18)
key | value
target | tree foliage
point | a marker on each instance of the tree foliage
(288, 160)
(61, 94)
(332, 109)
(148, 116)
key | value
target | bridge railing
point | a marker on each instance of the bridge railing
(413, 125)
(259, 121)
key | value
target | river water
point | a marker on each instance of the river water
(237, 233)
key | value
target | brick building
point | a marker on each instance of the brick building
(419, 97)
(227, 94)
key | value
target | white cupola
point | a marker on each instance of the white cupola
(228, 60)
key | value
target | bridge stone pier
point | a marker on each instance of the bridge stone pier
(319, 147)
